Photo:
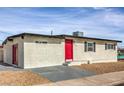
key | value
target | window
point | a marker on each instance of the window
(110, 46)
(90, 47)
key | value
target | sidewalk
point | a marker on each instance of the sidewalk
(108, 79)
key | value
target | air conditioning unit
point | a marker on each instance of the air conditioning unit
(79, 34)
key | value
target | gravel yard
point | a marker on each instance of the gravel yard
(100, 68)
(21, 78)
(17, 77)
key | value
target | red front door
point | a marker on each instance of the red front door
(15, 54)
(68, 50)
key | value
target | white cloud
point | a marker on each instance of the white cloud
(99, 8)
(115, 19)
(100, 22)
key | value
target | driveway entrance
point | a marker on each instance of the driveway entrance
(59, 73)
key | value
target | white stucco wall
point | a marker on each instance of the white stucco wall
(41, 55)
(101, 55)
(32, 54)
(53, 53)
(8, 51)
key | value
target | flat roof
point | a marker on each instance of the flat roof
(57, 36)
(89, 38)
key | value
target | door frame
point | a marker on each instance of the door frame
(69, 60)
(15, 54)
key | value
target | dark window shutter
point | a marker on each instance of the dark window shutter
(94, 47)
(105, 46)
(114, 46)
(85, 46)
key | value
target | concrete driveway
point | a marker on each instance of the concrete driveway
(59, 73)
(54, 73)
(107, 79)
(6, 67)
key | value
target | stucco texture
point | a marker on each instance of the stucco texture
(32, 54)
(8, 52)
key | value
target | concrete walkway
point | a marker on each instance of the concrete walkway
(108, 79)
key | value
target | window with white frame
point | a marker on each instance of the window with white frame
(110, 46)
(90, 46)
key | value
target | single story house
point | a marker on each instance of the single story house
(28, 50)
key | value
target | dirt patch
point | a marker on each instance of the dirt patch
(100, 68)
(21, 78)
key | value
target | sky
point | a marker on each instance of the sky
(99, 22)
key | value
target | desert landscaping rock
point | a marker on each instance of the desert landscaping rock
(21, 78)
(101, 68)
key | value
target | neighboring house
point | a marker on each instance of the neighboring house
(1, 53)
(29, 50)
(120, 54)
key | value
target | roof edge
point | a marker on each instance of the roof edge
(63, 35)
(57, 36)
